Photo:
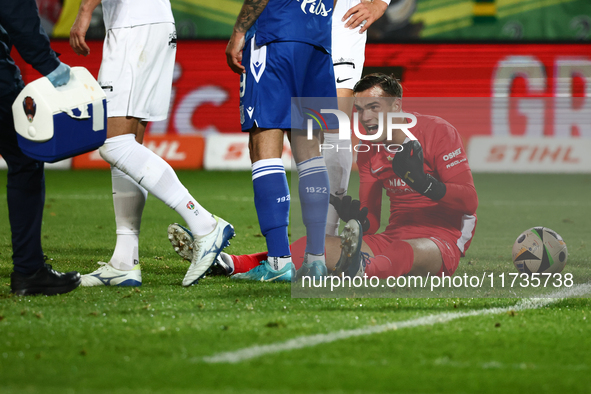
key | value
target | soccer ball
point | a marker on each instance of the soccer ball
(539, 250)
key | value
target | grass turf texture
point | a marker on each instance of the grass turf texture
(154, 338)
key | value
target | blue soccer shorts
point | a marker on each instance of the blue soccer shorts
(275, 73)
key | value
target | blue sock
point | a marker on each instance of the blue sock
(271, 199)
(314, 189)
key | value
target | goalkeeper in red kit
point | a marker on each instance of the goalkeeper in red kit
(432, 197)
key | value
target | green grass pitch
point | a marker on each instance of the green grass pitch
(157, 338)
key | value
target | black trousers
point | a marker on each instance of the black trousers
(25, 193)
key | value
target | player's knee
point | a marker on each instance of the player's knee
(116, 148)
(104, 152)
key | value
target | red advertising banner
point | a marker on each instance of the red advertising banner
(205, 95)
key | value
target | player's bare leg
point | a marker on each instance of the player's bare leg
(265, 144)
(338, 156)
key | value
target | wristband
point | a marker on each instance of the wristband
(435, 190)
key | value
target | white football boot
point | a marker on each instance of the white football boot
(107, 275)
(203, 250)
(181, 239)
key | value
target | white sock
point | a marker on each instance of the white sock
(129, 199)
(199, 220)
(279, 262)
(157, 177)
(314, 257)
(338, 160)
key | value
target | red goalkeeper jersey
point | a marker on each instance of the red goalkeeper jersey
(411, 214)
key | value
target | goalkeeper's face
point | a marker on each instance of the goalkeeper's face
(373, 105)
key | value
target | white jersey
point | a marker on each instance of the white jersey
(129, 13)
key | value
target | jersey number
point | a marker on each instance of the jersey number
(242, 85)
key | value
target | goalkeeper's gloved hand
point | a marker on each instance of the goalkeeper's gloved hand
(348, 209)
(408, 165)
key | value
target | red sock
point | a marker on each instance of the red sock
(396, 260)
(246, 262)
(298, 250)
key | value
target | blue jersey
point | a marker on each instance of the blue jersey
(308, 21)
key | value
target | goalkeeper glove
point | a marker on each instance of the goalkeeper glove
(408, 165)
(348, 209)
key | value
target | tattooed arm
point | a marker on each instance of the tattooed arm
(251, 10)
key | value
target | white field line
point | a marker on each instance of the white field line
(319, 339)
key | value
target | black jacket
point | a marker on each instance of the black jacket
(20, 26)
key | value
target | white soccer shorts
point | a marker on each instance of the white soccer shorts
(137, 70)
(348, 48)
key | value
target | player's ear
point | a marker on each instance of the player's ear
(397, 105)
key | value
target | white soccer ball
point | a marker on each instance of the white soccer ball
(539, 250)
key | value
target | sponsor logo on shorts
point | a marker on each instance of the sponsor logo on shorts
(172, 40)
(342, 61)
(250, 111)
(257, 69)
(452, 154)
(339, 80)
(258, 59)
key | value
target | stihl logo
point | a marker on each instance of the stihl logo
(533, 153)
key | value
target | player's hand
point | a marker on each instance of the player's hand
(369, 11)
(234, 52)
(348, 209)
(408, 165)
(78, 33)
